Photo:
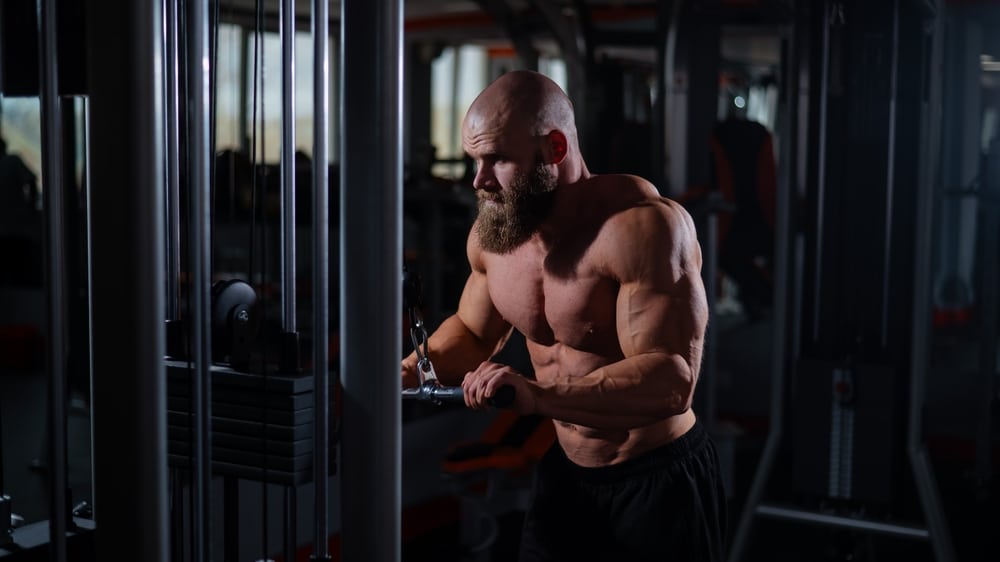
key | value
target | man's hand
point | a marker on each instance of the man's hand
(482, 384)
(408, 373)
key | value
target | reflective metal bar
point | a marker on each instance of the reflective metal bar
(85, 188)
(199, 244)
(905, 531)
(930, 134)
(321, 276)
(890, 177)
(371, 273)
(782, 249)
(173, 165)
(55, 275)
(288, 299)
(126, 148)
(711, 265)
(821, 167)
(989, 218)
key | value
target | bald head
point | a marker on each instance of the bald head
(523, 99)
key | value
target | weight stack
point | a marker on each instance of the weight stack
(846, 436)
(262, 427)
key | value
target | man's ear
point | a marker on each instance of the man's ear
(558, 146)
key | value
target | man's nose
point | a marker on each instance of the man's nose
(484, 180)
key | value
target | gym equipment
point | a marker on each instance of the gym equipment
(428, 387)
(234, 322)
(432, 391)
(856, 371)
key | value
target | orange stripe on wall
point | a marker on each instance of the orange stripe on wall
(447, 21)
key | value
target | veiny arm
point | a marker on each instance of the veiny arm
(662, 313)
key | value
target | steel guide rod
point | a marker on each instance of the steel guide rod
(905, 531)
(321, 277)
(827, 8)
(710, 363)
(198, 66)
(370, 271)
(172, 168)
(288, 297)
(930, 131)
(55, 276)
(786, 179)
(890, 176)
(124, 161)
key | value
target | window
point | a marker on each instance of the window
(20, 127)
(232, 72)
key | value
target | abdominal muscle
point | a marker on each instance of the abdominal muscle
(590, 446)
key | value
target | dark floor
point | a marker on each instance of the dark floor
(25, 450)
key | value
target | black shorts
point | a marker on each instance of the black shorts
(666, 504)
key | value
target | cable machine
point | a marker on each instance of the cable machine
(850, 359)
(171, 351)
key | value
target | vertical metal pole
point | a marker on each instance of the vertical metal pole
(243, 112)
(198, 66)
(371, 272)
(710, 364)
(989, 219)
(288, 300)
(85, 189)
(171, 78)
(890, 178)
(786, 179)
(55, 260)
(321, 276)
(673, 163)
(920, 336)
(125, 70)
(821, 167)
(659, 115)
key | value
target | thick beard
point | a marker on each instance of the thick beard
(518, 212)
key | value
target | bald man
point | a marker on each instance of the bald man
(602, 276)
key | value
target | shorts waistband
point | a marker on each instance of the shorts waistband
(650, 461)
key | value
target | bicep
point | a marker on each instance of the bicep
(475, 307)
(477, 312)
(661, 302)
(662, 317)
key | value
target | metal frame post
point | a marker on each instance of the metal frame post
(321, 277)
(55, 274)
(200, 251)
(172, 168)
(288, 163)
(125, 70)
(930, 149)
(371, 272)
(783, 231)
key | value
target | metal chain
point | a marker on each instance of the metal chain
(418, 330)
(418, 334)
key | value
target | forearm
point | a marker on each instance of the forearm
(454, 350)
(634, 392)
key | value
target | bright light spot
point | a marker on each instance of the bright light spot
(739, 102)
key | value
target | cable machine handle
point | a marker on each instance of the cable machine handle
(430, 391)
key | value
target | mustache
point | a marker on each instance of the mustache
(493, 197)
